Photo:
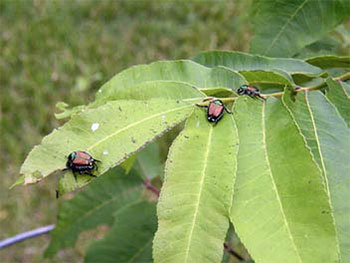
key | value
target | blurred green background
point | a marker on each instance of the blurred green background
(65, 50)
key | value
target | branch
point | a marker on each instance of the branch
(151, 187)
(343, 77)
(23, 236)
(229, 250)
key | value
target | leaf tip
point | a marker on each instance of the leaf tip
(18, 182)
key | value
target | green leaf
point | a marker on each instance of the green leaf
(94, 206)
(280, 209)
(157, 89)
(282, 28)
(346, 86)
(182, 71)
(330, 61)
(341, 100)
(239, 61)
(110, 133)
(218, 92)
(329, 140)
(148, 162)
(196, 196)
(130, 238)
(69, 183)
(67, 112)
(162, 79)
(267, 77)
(327, 45)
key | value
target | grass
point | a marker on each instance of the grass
(55, 51)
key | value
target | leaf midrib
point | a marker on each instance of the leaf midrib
(135, 124)
(274, 183)
(205, 161)
(284, 26)
(323, 170)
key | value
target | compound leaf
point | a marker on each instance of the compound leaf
(280, 209)
(130, 238)
(197, 192)
(94, 206)
(282, 28)
(110, 133)
(329, 140)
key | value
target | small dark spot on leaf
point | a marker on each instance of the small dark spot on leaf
(323, 212)
(309, 181)
(186, 137)
(119, 108)
(133, 140)
(177, 101)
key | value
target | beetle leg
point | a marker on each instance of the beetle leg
(208, 98)
(201, 106)
(90, 174)
(261, 97)
(227, 110)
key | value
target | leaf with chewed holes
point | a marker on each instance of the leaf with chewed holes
(110, 133)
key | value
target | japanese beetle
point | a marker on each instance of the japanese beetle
(250, 91)
(81, 162)
(215, 110)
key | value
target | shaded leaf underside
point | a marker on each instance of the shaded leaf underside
(130, 238)
(282, 28)
(94, 206)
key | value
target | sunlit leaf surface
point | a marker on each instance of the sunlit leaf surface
(329, 140)
(110, 133)
(197, 192)
(280, 209)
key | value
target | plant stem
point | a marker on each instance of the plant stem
(151, 187)
(345, 76)
(229, 250)
(23, 236)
